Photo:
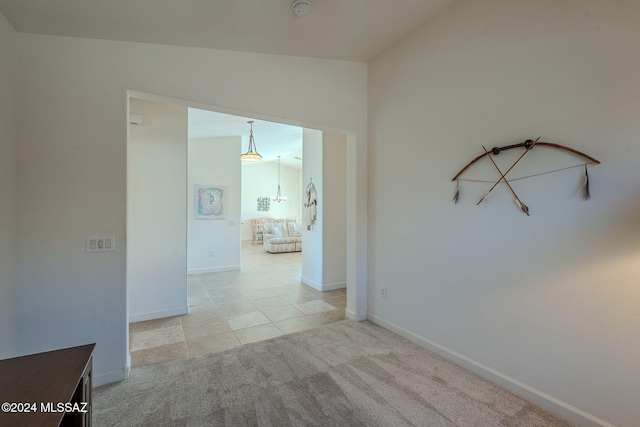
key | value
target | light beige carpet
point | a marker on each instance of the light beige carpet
(342, 374)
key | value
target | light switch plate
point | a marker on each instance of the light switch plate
(101, 244)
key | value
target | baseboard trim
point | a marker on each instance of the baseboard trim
(127, 368)
(533, 395)
(168, 312)
(109, 377)
(334, 286)
(214, 269)
(313, 284)
(358, 317)
(323, 287)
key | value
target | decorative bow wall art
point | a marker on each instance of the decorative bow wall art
(527, 145)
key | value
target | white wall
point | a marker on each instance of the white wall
(312, 239)
(324, 251)
(261, 180)
(72, 97)
(214, 245)
(548, 302)
(8, 191)
(156, 211)
(334, 210)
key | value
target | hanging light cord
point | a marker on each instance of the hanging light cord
(278, 198)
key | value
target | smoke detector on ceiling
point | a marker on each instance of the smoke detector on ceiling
(300, 7)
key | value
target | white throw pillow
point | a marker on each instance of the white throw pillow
(276, 231)
(268, 228)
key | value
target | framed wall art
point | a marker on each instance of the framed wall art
(210, 201)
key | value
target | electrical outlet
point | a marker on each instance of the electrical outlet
(100, 244)
(383, 292)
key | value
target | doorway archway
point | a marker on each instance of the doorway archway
(356, 230)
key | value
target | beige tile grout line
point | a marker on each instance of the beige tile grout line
(235, 334)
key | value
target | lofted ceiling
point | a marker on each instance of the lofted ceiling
(355, 30)
(271, 139)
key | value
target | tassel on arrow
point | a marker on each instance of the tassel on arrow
(455, 196)
(522, 206)
(586, 195)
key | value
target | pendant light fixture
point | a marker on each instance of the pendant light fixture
(251, 155)
(279, 197)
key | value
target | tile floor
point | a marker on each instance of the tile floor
(228, 309)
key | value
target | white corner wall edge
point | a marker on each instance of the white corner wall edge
(127, 368)
(326, 287)
(535, 396)
(358, 317)
(214, 269)
(159, 314)
(110, 377)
